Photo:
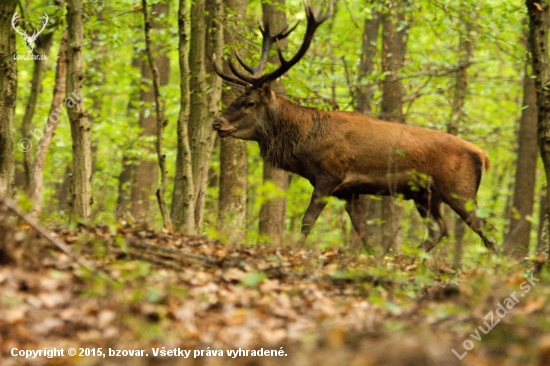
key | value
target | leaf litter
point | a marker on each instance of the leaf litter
(190, 292)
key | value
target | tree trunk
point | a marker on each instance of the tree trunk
(80, 126)
(183, 201)
(233, 153)
(43, 45)
(394, 45)
(126, 177)
(273, 213)
(145, 169)
(8, 91)
(519, 232)
(37, 170)
(538, 40)
(202, 135)
(369, 48)
(159, 112)
(465, 50)
(363, 94)
(542, 240)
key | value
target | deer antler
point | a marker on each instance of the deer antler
(44, 23)
(14, 21)
(257, 80)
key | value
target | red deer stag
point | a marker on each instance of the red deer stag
(345, 154)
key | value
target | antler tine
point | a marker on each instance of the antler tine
(248, 68)
(325, 16)
(14, 20)
(267, 42)
(240, 75)
(226, 77)
(257, 80)
(284, 34)
(312, 24)
(44, 24)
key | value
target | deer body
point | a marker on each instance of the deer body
(365, 155)
(346, 154)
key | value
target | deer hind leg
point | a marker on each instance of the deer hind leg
(429, 206)
(459, 205)
(356, 211)
(319, 200)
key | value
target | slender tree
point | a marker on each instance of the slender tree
(273, 212)
(159, 110)
(465, 51)
(233, 156)
(127, 172)
(519, 231)
(365, 90)
(43, 45)
(214, 46)
(363, 104)
(394, 44)
(8, 92)
(145, 174)
(538, 12)
(37, 169)
(183, 201)
(80, 125)
(201, 133)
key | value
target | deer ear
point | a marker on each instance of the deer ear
(266, 91)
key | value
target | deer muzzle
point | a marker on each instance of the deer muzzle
(218, 125)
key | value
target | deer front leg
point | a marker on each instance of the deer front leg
(318, 202)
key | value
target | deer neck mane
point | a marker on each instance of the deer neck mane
(284, 131)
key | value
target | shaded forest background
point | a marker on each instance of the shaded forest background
(125, 222)
(461, 68)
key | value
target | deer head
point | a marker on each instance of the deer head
(30, 41)
(242, 117)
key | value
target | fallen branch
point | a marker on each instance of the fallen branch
(169, 257)
(53, 239)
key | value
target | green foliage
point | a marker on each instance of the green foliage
(253, 279)
(326, 78)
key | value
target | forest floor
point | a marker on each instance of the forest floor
(132, 288)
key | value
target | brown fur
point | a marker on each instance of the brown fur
(344, 154)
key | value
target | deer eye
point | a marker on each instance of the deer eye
(250, 104)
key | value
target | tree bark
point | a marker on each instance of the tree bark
(394, 45)
(159, 111)
(37, 170)
(80, 125)
(273, 213)
(202, 135)
(126, 177)
(465, 51)
(365, 90)
(43, 45)
(145, 169)
(542, 233)
(519, 232)
(363, 94)
(233, 154)
(183, 201)
(8, 91)
(537, 11)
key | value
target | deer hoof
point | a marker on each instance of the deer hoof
(490, 244)
(427, 245)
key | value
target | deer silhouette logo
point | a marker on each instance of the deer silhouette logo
(30, 41)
